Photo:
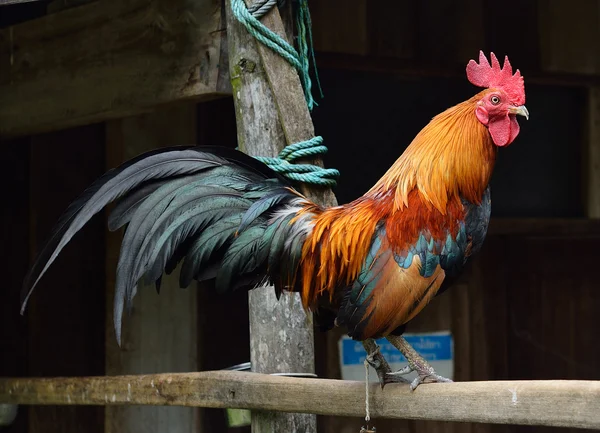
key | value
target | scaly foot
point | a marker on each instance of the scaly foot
(425, 372)
(379, 363)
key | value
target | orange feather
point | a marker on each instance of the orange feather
(387, 310)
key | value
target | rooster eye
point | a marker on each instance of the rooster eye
(495, 100)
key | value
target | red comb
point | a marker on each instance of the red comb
(484, 75)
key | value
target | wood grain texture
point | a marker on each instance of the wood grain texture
(106, 60)
(549, 402)
(162, 332)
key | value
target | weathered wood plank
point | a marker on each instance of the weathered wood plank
(548, 402)
(107, 60)
(162, 332)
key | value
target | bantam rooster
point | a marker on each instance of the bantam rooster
(369, 266)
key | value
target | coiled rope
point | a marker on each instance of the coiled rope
(305, 173)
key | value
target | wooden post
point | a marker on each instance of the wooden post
(271, 112)
(161, 334)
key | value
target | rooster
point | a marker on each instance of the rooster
(369, 266)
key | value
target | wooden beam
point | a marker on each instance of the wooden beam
(574, 403)
(162, 332)
(108, 59)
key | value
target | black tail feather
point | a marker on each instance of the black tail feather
(209, 208)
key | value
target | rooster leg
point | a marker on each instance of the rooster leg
(426, 373)
(381, 366)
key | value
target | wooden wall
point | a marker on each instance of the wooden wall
(550, 40)
(61, 332)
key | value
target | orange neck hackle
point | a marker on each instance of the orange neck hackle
(451, 157)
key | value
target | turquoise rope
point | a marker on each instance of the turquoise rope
(283, 163)
(305, 173)
(304, 24)
(275, 42)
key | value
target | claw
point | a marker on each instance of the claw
(425, 375)
(425, 372)
(428, 378)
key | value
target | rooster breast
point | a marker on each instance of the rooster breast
(410, 256)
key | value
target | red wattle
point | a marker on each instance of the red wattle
(504, 130)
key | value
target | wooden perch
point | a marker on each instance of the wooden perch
(109, 59)
(574, 403)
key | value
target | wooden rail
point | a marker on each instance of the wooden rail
(560, 403)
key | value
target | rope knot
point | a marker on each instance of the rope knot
(305, 173)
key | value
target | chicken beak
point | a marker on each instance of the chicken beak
(521, 110)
